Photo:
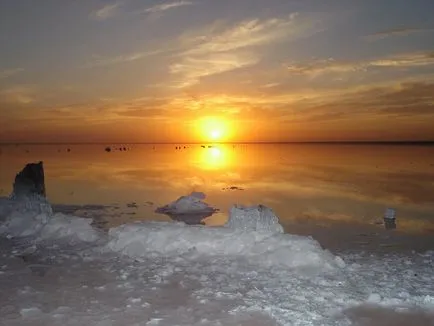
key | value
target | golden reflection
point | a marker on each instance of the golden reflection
(212, 158)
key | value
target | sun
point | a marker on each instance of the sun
(215, 134)
(213, 129)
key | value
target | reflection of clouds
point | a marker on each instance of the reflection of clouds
(186, 183)
(391, 186)
(413, 225)
(385, 184)
(231, 176)
(316, 214)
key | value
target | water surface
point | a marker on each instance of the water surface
(316, 184)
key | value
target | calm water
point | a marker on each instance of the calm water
(319, 184)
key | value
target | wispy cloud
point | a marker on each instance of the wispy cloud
(248, 33)
(191, 69)
(396, 32)
(167, 6)
(107, 11)
(319, 67)
(217, 48)
(10, 72)
(406, 60)
(270, 85)
(19, 94)
(124, 58)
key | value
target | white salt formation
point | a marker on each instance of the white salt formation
(390, 214)
(187, 204)
(255, 218)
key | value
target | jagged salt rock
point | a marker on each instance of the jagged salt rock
(30, 181)
(27, 210)
(254, 218)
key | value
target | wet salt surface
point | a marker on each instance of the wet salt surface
(165, 273)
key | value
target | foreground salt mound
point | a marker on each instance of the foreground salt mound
(75, 229)
(27, 212)
(263, 243)
(254, 218)
(139, 240)
(187, 204)
(24, 216)
(32, 216)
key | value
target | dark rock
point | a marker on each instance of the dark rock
(108, 149)
(30, 181)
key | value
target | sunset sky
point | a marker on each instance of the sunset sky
(267, 70)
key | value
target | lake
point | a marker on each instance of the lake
(321, 186)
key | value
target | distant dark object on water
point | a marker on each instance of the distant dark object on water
(68, 150)
(203, 146)
(30, 181)
(233, 188)
(108, 149)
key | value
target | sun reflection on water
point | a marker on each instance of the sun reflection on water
(212, 158)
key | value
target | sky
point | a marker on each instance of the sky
(259, 70)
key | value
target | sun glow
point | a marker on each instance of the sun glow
(213, 129)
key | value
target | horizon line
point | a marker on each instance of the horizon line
(337, 142)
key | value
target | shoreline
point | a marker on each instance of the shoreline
(338, 237)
